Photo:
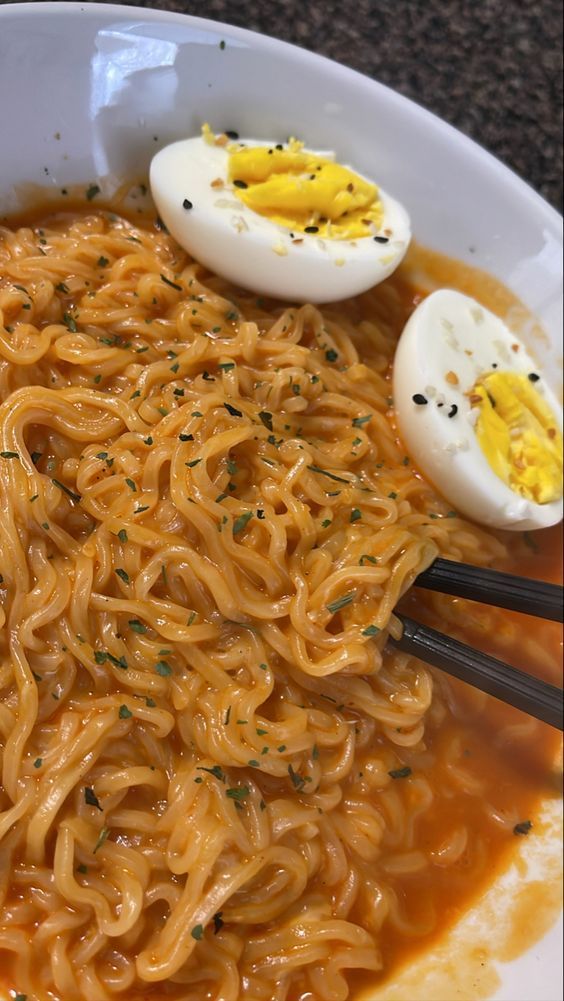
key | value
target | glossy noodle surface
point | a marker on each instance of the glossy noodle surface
(217, 783)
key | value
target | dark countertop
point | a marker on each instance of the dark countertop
(493, 68)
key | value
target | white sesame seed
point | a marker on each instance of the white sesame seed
(239, 224)
(502, 351)
(226, 203)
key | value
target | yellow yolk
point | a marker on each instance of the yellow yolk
(304, 192)
(518, 434)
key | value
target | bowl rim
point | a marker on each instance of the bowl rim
(255, 39)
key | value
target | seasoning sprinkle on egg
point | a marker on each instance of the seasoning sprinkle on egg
(289, 238)
(505, 469)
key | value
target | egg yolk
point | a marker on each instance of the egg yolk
(305, 193)
(518, 434)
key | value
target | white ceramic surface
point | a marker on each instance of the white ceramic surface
(92, 91)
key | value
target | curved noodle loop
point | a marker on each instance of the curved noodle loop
(206, 522)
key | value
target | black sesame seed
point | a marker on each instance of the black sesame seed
(311, 229)
(231, 134)
(494, 364)
(187, 204)
(453, 410)
(533, 377)
(240, 184)
(382, 239)
(419, 399)
(279, 146)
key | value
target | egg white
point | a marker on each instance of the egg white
(452, 332)
(253, 252)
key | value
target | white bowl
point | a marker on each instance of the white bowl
(92, 91)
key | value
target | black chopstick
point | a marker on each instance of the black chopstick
(533, 696)
(505, 590)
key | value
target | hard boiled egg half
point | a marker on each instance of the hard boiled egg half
(477, 415)
(277, 218)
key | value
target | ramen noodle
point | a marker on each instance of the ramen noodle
(216, 777)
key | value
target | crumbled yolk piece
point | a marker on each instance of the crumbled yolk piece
(518, 434)
(304, 192)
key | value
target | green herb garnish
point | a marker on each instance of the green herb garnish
(101, 838)
(70, 322)
(90, 798)
(70, 493)
(241, 522)
(216, 771)
(335, 606)
(232, 410)
(238, 794)
(523, 827)
(162, 668)
(325, 472)
(266, 419)
(400, 773)
(297, 781)
(173, 285)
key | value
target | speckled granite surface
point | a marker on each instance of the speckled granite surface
(493, 68)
